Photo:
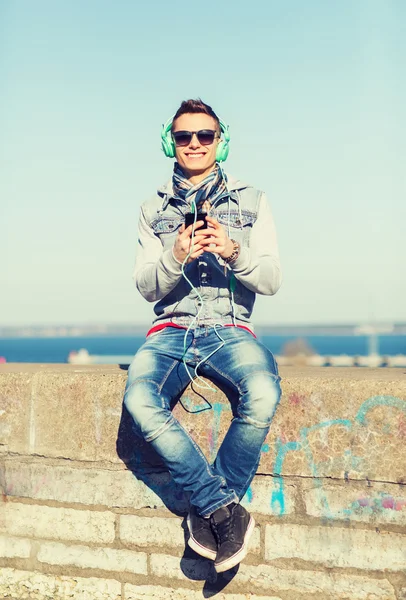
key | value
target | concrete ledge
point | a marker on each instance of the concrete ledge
(345, 424)
(89, 512)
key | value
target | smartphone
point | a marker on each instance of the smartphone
(190, 219)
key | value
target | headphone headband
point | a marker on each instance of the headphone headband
(168, 145)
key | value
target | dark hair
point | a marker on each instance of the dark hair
(196, 106)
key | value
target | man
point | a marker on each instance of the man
(204, 278)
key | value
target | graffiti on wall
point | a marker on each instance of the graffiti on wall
(349, 459)
(381, 502)
(353, 462)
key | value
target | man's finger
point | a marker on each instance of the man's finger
(195, 245)
(185, 232)
(207, 241)
(213, 222)
(195, 242)
(195, 226)
(196, 254)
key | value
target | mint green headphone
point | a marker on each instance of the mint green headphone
(168, 145)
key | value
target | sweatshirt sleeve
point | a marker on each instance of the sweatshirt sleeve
(258, 266)
(156, 271)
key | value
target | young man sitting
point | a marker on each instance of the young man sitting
(204, 277)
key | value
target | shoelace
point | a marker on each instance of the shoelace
(224, 530)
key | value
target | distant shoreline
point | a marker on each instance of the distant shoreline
(73, 331)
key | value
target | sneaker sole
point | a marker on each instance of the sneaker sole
(240, 555)
(198, 548)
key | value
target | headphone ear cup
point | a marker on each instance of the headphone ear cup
(223, 147)
(222, 151)
(171, 146)
(168, 146)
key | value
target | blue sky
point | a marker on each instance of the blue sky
(314, 94)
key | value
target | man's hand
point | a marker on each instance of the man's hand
(220, 243)
(184, 243)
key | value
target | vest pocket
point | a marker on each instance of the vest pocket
(166, 225)
(235, 219)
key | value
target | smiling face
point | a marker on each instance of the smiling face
(196, 160)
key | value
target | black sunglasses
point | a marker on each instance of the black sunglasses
(205, 137)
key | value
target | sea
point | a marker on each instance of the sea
(57, 349)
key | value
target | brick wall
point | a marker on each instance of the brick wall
(87, 512)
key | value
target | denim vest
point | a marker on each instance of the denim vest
(224, 299)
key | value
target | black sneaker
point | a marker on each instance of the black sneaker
(232, 526)
(201, 538)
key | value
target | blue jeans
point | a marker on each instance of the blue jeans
(157, 375)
